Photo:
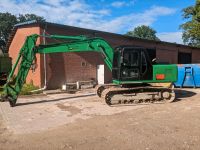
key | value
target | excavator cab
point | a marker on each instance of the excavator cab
(131, 64)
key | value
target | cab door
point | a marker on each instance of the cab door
(146, 68)
(130, 67)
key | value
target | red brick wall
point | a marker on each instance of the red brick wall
(167, 56)
(67, 67)
(16, 45)
(196, 56)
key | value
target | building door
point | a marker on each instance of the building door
(184, 58)
(100, 74)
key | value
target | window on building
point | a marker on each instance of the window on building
(184, 58)
(83, 64)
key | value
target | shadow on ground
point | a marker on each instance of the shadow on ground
(53, 100)
(181, 94)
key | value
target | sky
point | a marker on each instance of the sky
(116, 16)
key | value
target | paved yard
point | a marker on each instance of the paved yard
(81, 121)
(37, 113)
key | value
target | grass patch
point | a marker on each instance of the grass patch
(27, 88)
(1, 89)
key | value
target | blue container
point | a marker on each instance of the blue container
(188, 75)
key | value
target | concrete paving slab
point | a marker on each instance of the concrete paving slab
(39, 113)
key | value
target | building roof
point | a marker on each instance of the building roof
(43, 24)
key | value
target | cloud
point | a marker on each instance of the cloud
(129, 22)
(60, 11)
(119, 4)
(82, 14)
(173, 37)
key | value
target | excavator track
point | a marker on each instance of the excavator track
(115, 95)
(101, 88)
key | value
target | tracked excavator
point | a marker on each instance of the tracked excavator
(135, 78)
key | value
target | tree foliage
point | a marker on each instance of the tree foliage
(143, 32)
(29, 17)
(7, 21)
(191, 28)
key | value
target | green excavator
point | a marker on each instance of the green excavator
(135, 78)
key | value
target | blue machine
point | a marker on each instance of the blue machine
(188, 75)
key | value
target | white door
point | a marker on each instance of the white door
(100, 74)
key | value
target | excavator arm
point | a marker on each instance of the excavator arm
(83, 45)
(27, 56)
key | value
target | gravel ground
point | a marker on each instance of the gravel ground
(63, 121)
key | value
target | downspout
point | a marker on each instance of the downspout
(45, 65)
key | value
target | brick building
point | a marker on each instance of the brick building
(60, 68)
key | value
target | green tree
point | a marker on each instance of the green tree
(191, 28)
(7, 21)
(143, 32)
(29, 17)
